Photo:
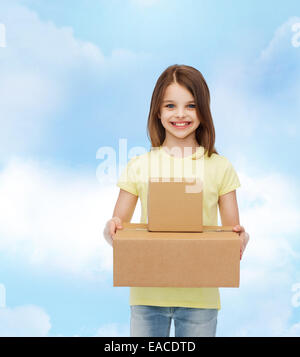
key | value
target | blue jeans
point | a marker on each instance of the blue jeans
(155, 321)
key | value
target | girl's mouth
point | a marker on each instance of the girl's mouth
(181, 125)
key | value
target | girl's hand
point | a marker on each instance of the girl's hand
(110, 229)
(244, 237)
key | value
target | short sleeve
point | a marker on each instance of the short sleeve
(127, 179)
(229, 180)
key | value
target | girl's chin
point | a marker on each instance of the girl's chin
(181, 134)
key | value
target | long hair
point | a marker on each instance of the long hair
(194, 82)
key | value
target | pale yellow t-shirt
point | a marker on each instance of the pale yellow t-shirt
(219, 177)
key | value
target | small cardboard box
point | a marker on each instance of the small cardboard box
(175, 205)
(173, 259)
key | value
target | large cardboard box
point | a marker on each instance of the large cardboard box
(174, 259)
(175, 204)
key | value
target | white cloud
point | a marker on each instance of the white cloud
(270, 211)
(293, 331)
(42, 68)
(226, 97)
(54, 219)
(262, 306)
(259, 99)
(2, 295)
(24, 321)
(277, 67)
(281, 41)
(113, 330)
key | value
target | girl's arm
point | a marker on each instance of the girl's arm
(228, 208)
(229, 213)
(123, 212)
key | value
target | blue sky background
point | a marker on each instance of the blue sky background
(78, 75)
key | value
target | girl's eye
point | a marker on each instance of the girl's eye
(192, 105)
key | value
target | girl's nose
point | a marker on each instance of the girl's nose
(180, 112)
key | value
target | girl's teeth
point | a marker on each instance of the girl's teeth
(180, 124)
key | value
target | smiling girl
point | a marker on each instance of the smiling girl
(180, 118)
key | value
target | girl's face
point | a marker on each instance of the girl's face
(178, 112)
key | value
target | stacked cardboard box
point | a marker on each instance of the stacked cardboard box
(174, 205)
(174, 249)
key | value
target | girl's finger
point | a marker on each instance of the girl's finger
(117, 220)
(239, 228)
(112, 228)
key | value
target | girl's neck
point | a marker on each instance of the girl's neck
(170, 144)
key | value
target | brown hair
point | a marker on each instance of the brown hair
(194, 82)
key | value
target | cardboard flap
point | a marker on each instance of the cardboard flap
(140, 231)
(144, 227)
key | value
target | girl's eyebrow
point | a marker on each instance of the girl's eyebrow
(169, 100)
